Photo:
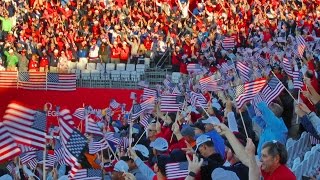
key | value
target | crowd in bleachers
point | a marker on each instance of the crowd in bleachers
(218, 49)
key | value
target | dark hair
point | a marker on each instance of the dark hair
(276, 148)
(209, 144)
(161, 162)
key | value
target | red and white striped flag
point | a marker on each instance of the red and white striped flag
(8, 148)
(169, 103)
(297, 79)
(32, 80)
(198, 100)
(287, 66)
(61, 82)
(26, 126)
(272, 90)
(92, 127)
(247, 91)
(177, 170)
(244, 71)
(8, 79)
(301, 45)
(228, 43)
(209, 84)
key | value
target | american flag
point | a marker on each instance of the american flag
(136, 111)
(88, 174)
(114, 104)
(97, 144)
(255, 101)
(177, 170)
(26, 148)
(58, 151)
(33, 80)
(226, 66)
(79, 113)
(168, 84)
(193, 68)
(169, 103)
(246, 92)
(73, 142)
(244, 71)
(92, 127)
(228, 43)
(124, 143)
(8, 79)
(209, 84)
(25, 125)
(26, 157)
(262, 61)
(301, 45)
(144, 121)
(287, 67)
(148, 93)
(133, 96)
(272, 89)
(8, 148)
(61, 82)
(32, 163)
(10, 167)
(148, 104)
(176, 90)
(50, 158)
(198, 100)
(297, 79)
(110, 137)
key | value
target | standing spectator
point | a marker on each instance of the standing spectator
(94, 52)
(6, 25)
(44, 62)
(12, 60)
(124, 53)
(115, 52)
(135, 43)
(54, 59)
(34, 63)
(23, 61)
(104, 51)
(63, 64)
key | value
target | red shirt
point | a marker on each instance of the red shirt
(124, 53)
(33, 65)
(44, 62)
(115, 52)
(282, 172)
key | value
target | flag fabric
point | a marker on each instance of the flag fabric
(228, 43)
(198, 100)
(110, 137)
(255, 101)
(114, 104)
(33, 80)
(177, 170)
(32, 163)
(26, 157)
(226, 66)
(301, 45)
(193, 68)
(26, 148)
(148, 93)
(97, 144)
(272, 89)
(8, 147)
(88, 174)
(247, 91)
(136, 111)
(58, 151)
(148, 104)
(168, 84)
(8, 79)
(79, 113)
(26, 126)
(50, 158)
(133, 96)
(286, 65)
(73, 142)
(297, 79)
(244, 71)
(209, 84)
(92, 127)
(124, 143)
(61, 82)
(176, 90)
(168, 103)
(262, 61)
(144, 121)
(10, 167)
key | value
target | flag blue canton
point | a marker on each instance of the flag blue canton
(180, 99)
(53, 77)
(273, 82)
(76, 143)
(94, 173)
(24, 76)
(40, 121)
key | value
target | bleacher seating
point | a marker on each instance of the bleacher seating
(121, 67)
(110, 66)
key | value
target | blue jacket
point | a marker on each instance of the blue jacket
(273, 128)
(218, 142)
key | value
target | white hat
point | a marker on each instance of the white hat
(121, 166)
(222, 174)
(56, 51)
(160, 144)
(211, 120)
(143, 149)
(202, 139)
(10, 50)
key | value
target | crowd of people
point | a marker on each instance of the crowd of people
(234, 42)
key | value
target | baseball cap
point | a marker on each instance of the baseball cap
(142, 149)
(160, 144)
(187, 131)
(202, 139)
(221, 174)
(121, 166)
(241, 138)
(199, 125)
(211, 120)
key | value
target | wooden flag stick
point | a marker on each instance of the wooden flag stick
(297, 119)
(285, 88)
(140, 137)
(44, 161)
(244, 125)
(183, 105)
